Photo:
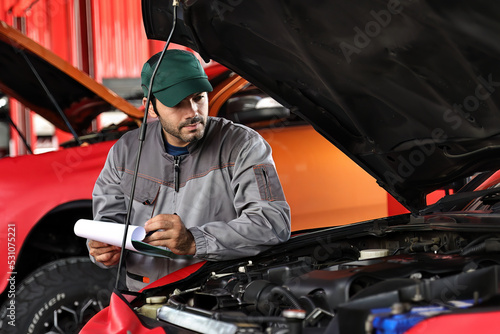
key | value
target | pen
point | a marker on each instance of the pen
(151, 232)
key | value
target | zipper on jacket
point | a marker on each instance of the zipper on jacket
(177, 160)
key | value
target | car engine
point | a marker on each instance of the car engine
(359, 285)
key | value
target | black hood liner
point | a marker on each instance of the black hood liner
(408, 89)
(79, 97)
(64, 89)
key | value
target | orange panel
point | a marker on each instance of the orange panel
(322, 185)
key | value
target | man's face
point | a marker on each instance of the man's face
(184, 123)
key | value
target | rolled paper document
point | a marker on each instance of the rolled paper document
(109, 233)
(112, 234)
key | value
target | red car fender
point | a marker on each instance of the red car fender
(175, 276)
(119, 316)
(484, 323)
(60, 177)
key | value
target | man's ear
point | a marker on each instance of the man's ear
(151, 110)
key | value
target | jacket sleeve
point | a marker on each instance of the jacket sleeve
(263, 215)
(108, 202)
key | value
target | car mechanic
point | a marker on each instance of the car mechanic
(206, 187)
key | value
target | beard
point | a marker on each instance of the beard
(189, 136)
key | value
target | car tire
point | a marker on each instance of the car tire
(59, 297)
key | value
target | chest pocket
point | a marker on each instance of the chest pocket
(146, 190)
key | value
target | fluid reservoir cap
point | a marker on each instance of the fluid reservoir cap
(372, 253)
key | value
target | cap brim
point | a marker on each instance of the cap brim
(175, 94)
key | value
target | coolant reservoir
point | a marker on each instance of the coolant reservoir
(372, 253)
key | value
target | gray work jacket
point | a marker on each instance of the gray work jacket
(226, 191)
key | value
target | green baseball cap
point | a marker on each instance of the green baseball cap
(180, 74)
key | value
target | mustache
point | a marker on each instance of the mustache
(194, 120)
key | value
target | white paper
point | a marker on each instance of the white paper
(110, 233)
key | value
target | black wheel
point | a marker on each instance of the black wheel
(59, 297)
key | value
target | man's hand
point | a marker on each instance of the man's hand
(170, 233)
(104, 253)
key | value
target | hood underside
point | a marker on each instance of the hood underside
(27, 67)
(407, 89)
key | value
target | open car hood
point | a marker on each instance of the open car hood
(408, 89)
(80, 97)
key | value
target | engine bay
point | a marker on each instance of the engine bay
(362, 284)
